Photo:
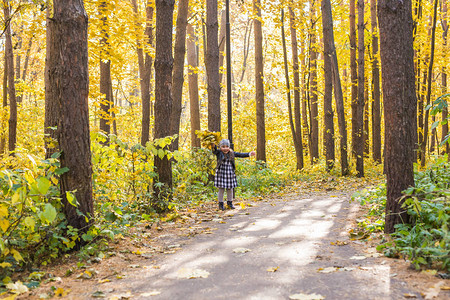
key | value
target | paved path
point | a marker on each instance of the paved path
(291, 237)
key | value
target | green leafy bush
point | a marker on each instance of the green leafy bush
(32, 226)
(426, 241)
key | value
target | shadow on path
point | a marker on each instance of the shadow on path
(292, 235)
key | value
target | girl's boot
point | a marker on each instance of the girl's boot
(221, 206)
(230, 204)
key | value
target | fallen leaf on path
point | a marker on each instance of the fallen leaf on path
(153, 293)
(358, 257)
(273, 269)
(327, 270)
(429, 272)
(339, 243)
(103, 280)
(306, 297)
(17, 288)
(125, 296)
(409, 296)
(192, 273)
(433, 292)
(60, 292)
(445, 288)
(241, 250)
(98, 294)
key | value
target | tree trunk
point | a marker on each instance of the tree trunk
(192, 57)
(259, 85)
(314, 107)
(105, 71)
(3, 131)
(12, 129)
(222, 39)
(178, 70)
(353, 76)
(212, 66)
(247, 36)
(400, 104)
(423, 147)
(18, 47)
(296, 129)
(359, 122)
(145, 62)
(444, 76)
(376, 104)
(366, 116)
(328, 134)
(330, 51)
(163, 93)
(67, 93)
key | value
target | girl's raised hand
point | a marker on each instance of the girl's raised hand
(252, 153)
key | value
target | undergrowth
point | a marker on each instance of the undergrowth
(426, 241)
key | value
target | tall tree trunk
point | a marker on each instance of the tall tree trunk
(27, 59)
(423, 147)
(400, 104)
(354, 76)
(330, 51)
(18, 47)
(247, 36)
(105, 71)
(376, 104)
(359, 130)
(3, 131)
(444, 76)
(328, 134)
(212, 66)
(297, 100)
(67, 93)
(314, 107)
(163, 93)
(296, 129)
(12, 129)
(259, 85)
(178, 70)
(192, 58)
(145, 62)
(366, 116)
(222, 39)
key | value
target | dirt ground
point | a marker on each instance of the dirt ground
(281, 247)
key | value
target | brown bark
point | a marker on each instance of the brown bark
(18, 47)
(330, 51)
(353, 76)
(328, 134)
(423, 145)
(105, 71)
(246, 48)
(259, 85)
(366, 117)
(145, 62)
(3, 131)
(178, 70)
(296, 129)
(163, 93)
(397, 62)
(192, 58)
(376, 104)
(212, 66)
(359, 122)
(222, 43)
(314, 107)
(444, 76)
(12, 128)
(66, 93)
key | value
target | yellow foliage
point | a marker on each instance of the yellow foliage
(208, 138)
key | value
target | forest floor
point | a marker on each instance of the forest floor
(294, 245)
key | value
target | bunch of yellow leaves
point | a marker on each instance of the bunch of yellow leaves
(207, 138)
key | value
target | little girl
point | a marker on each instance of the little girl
(225, 171)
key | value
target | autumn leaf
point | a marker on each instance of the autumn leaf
(241, 250)
(273, 269)
(306, 297)
(192, 273)
(17, 288)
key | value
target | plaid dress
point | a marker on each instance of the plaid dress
(225, 177)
